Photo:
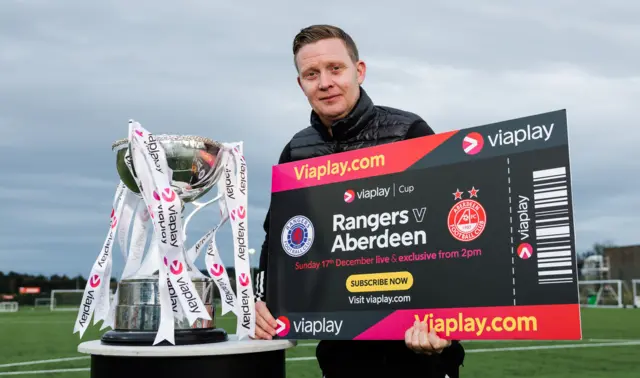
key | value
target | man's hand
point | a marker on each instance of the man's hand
(420, 341)
(265, 323)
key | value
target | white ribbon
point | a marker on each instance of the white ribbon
(98, 284)
(235, 179)
(215, 267)
(133, 258)
(150, 163)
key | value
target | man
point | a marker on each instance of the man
(344, 118)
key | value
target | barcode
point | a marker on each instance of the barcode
(553, 226)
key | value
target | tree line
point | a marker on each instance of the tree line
(11, 282)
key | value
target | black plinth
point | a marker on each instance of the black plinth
(182, 337)
(226, 359)
(259, 365)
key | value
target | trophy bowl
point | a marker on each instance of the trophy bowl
(195, 162)
(196, 165)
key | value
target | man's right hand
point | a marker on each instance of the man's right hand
(265, 323)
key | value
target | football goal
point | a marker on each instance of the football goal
(68, 300)
(636, 292)
(41, 303)
(601, 293)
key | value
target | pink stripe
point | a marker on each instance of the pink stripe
(541, 322)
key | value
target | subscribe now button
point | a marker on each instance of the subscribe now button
(358, 283)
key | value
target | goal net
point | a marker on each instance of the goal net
(601, 293)
(8, 306)
(68, 300)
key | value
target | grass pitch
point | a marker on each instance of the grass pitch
(610, 348)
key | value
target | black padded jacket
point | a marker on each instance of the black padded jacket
(367, 125)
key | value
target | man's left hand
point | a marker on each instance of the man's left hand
(420, 340)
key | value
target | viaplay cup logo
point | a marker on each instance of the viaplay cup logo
(297, 236)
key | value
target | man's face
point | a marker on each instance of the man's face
(329, 78)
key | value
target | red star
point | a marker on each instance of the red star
(457, 195)
(473, 192)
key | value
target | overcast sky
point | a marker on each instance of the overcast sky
(72, 73)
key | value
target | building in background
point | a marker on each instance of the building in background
(624, 264)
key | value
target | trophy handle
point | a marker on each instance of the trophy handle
(199, 206)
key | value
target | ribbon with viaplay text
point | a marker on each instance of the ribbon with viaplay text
(134, 209)
(236, 188)
(148, 267)
(214, 264)
(149, 161)
(98, 284)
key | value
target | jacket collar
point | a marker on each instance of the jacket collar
(349, 126)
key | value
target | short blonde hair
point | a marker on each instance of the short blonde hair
(315, 33)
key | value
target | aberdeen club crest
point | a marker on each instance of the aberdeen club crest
(467, 218)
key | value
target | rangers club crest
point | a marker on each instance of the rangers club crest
(297, 236)
(467, 218)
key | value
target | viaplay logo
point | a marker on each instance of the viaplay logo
(94, 281)
(168, 195)
(283, 326)
(472, 143)
(244, 279)
(175, 268)
(217, 270)
(239, 213)
(525, 251)
(349, 196)
(114, 219)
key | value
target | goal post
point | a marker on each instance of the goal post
(68, 300)
(635, 283)
(601, 293)
(9, 306)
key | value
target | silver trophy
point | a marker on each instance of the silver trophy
(162, 297)
(196, 166)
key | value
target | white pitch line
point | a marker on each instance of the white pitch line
(514, 349)
(561, 346)
(512, 341)
(27, 363)
(294, 359)
(44, 371)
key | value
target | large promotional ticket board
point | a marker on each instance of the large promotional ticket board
(470, 231)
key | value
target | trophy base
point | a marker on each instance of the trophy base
(182, 337)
